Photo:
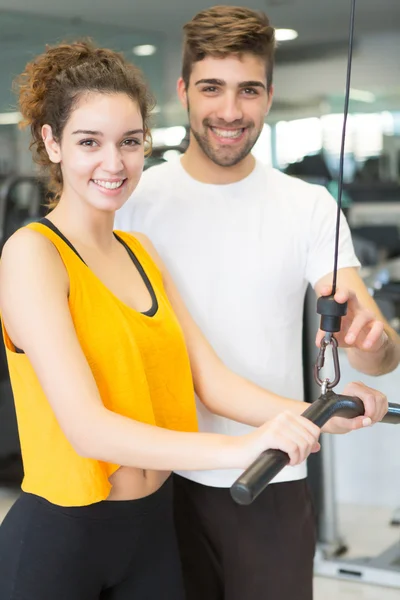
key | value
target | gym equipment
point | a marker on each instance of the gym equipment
(383, 569)
(21, 201)
(396, 517)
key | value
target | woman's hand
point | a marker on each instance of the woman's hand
(293, 434)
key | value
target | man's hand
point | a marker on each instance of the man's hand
(375, 404)
(360, 328)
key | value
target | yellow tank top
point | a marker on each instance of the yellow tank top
(140, 364)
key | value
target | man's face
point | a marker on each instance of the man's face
(227, 102)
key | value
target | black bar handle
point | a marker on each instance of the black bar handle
(260, 473)
(393, 414)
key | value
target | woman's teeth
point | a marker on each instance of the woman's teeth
(227, 133)
(109, 185)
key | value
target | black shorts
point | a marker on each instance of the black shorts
(264, 551)
(111, 550)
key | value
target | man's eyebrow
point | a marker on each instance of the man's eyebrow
(221, 82)
(211, 81)
(90, 132)
(245, 84)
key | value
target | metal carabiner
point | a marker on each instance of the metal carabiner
(326, 384)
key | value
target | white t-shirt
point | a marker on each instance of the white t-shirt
(241, 256)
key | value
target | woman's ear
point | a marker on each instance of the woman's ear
(52, 146)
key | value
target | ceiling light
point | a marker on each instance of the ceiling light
(144, 50)
(285, 35)
(362, 95)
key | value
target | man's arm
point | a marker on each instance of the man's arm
(373, 347)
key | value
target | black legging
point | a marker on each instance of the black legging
(111, 550)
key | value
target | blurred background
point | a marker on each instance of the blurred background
(302, 137)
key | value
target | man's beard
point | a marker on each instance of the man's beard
(225, 156)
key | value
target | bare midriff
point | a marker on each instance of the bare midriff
(129, 483)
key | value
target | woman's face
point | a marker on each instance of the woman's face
(102, 151)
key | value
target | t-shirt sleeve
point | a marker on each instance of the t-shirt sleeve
(321, 247)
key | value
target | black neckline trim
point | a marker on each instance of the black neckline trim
(154, 306)
(55, 230)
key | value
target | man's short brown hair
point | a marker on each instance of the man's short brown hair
(223, 30)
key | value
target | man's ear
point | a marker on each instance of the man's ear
(270, 99)
(182, 93)
(52, 146)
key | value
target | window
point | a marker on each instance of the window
(296, 139)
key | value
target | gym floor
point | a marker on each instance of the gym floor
(366, 530)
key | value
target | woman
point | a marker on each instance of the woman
(98, 363)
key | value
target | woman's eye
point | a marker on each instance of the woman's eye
(131, 142)
(87, 143)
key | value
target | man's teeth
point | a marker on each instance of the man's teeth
(227, 133)
(110, 185)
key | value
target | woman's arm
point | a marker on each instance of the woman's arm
(34, 306)
(229, 395)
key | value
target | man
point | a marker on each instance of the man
(242, 241)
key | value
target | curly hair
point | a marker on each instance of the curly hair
(52, 84)
(223, 30)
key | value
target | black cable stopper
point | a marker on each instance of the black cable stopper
(331, 313)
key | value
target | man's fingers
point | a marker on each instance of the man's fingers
(343, 425)
(360, 321)
(342, 296)
(326, 290)
(375, 403)
(359, 422)
(376, 336)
